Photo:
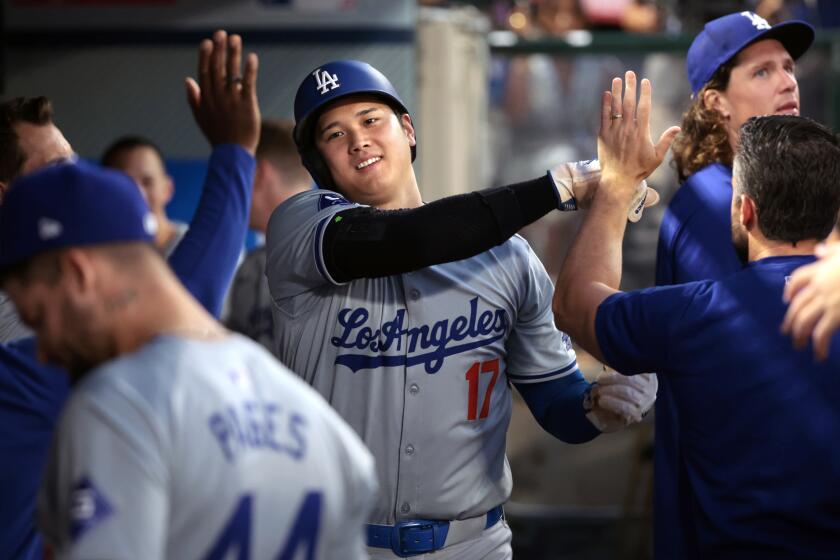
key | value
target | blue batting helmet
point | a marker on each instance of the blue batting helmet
(326, 84)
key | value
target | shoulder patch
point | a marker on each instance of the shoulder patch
(567, 342)
(88, 508)
(330, 199)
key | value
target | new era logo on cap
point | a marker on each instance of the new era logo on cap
(49, 229)
(150, 224)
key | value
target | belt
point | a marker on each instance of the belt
(411, 537)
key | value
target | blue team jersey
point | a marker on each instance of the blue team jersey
(695, 238)
(695, 243)
(759, 422)
(32, 394)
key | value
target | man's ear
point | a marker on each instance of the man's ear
(716, 100)
(408, 127)
(747, 214)
(170, 189)
(76, 267)
(3, 188)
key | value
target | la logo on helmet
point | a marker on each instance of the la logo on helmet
(758, 21)
(324, 81)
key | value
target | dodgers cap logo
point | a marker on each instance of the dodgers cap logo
(324, 81)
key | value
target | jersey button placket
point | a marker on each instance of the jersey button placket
(413, 414)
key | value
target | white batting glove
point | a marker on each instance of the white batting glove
(576, 182)
(616, 401)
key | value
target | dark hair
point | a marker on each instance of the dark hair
(790, 167)
(277, 145)
(124, 144)
(703, 139)
(33, 110)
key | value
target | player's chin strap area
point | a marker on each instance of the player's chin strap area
(411, 537)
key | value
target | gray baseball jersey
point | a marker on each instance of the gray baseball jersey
(417, 363)
(11, 326)
(194, 449)
(249, 301)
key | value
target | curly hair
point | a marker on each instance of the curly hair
(703, 139)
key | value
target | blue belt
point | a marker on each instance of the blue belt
(418, 536)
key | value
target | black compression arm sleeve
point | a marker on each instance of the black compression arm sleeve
(369, 243)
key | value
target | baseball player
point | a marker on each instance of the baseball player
(759, 420)
(279, 175)
(415, 348)
(179, 440)
(738, 66)
(141, 160)
(33, 393)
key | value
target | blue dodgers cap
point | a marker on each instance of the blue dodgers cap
(71, 204)
(323, 86)
(724, 37)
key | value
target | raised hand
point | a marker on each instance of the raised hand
(224, 101)
(625, 148)
(814, 296)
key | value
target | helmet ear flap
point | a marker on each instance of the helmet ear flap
(317, 167)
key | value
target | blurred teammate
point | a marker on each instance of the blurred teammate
(738, 66)
(32, 393)
(759, 420)
(28, 140)
(418, 356)
(141, 160)
(279, 176)
(166, 405)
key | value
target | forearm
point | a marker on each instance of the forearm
(367, 242)
(558, 407)
(592, 269)
(206, 257)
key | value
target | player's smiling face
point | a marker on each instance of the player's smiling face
(761, 83)
(367, 148)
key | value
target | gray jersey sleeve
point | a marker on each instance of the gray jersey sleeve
(295, 260)
(87, 507)
(538, 352)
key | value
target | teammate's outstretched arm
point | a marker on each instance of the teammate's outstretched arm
(814, 296)
(592, 270)
(224, 104)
